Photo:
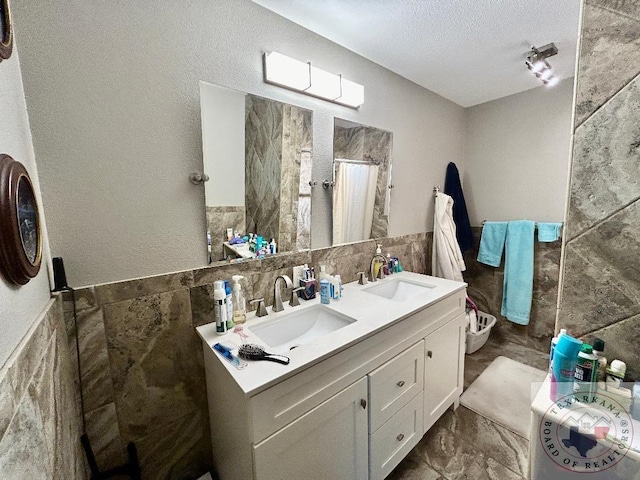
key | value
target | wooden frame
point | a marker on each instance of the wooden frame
(6, 31)
(20, 229)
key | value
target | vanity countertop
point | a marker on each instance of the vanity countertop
(371, 312)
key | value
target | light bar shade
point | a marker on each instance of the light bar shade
(304, 78)
(286, 71)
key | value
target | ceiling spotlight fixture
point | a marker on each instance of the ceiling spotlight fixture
(537, 63)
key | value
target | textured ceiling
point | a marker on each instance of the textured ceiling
(469, 51)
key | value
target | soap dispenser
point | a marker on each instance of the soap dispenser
(239, 302)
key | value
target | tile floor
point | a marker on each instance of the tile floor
(464, 445)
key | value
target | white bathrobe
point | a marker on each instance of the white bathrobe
(447, 261)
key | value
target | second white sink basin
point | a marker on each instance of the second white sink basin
(398, 290)
(299, 327)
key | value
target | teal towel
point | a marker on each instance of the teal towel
(492, 243)
(549, 232)
(518, 271)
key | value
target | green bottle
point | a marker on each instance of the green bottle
(586, 371)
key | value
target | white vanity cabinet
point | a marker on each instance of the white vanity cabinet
(352, 414)
(330, 441)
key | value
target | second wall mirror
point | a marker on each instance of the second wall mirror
(362, 181)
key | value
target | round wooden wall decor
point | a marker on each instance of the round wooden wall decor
(20, 232)
(6, 32)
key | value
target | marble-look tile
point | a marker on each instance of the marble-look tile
(156, 361)
(7, 403)
(263, 154)
(630, 8)
(97, 386)
(55, 400)
(462, 444)
(224, 271)
(601, 285)
(610, 42)
(285, 260)
(263, 286)
(348, 142)
(202, 302)
(413, 468)
(181, 449)
(605, 159)
(26, 359)
(622, 341)
(85, 298)
(25, 451)
(104, 435)
(139, 287)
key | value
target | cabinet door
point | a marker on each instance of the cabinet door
(443, 369)
(328, 442)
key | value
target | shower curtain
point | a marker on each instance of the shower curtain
(354, 195)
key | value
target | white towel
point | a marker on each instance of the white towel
(447, 261)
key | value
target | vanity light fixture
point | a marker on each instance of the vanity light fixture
(304, 78)
(537, 63)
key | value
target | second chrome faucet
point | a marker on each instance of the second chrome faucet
(277, 294)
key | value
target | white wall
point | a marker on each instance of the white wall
(222, 114)
(517, 156)
(19, 307)
(113, 93)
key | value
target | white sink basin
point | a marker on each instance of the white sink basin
(398, 290)
(299, 327)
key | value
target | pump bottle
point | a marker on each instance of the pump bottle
(239, 302)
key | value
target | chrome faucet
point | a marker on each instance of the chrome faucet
(277, 294)
(380, 272)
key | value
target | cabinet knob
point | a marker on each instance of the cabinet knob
(429, 354)
(401, 383)
(363, 403)
(400, 437)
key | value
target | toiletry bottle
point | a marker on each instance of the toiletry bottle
(388, 266)
(377, 265)
(565, 357)
(598, 349)
(335, 286)
(228, 303)
(239, 302)
(586, 371)
(273, 246)
(339, 280)
(616, 372)
(554, 342)
(325, 295)
(219, 310)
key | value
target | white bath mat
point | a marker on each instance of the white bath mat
(502, 394)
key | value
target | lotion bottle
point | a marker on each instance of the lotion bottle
(239, 302)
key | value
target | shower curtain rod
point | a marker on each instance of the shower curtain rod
(361, 162)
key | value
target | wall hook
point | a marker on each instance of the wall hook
(312, 183)
(197, 178)
(327, 184)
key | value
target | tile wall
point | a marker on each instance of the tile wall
(486, 286)
(40, 420)
(141, 359)
(600, 295)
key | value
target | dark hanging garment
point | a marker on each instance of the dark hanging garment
(453, 188)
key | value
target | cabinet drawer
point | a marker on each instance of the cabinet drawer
(395, 439)
(394, 383)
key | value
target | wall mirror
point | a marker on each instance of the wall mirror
(362, 181)
(257, 153)
(6, 31)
